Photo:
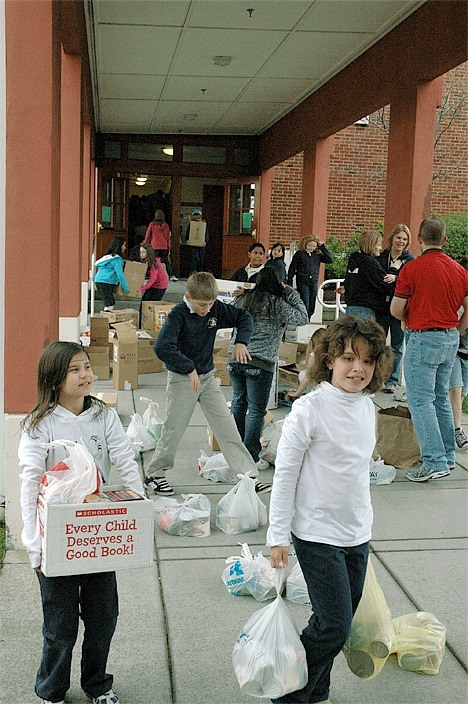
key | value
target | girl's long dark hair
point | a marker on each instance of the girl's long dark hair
(277, 244)
(115, 246)
(264, 298)
(51, 373)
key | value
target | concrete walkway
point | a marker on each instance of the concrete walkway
(178, 623)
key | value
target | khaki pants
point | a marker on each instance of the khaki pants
(181, 402)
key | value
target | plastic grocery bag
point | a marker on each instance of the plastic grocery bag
(371, 639)
(381, 473)
(71, 480)
(140, 439)
(268, 658)
(215, 468)
(296, 587)
(191, 518)
(269, 441)
(241, 510)
(246, 574)
(419, 642)
(151, 420)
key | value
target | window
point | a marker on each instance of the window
(112, 150)
(204, 155)
(150, 152)
(241, 208)
(113, 202)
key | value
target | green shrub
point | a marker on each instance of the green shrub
(340, 250)
(457, 235)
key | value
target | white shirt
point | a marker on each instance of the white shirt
(321, 486)
(103, 436)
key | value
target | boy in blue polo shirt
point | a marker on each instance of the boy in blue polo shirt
(185, 345)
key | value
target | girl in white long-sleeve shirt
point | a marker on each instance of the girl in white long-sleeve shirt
(65, 410)
(321, 489)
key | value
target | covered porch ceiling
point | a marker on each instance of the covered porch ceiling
(218, 67)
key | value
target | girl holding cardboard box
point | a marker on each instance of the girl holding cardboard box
(66, 410)
(110, 272)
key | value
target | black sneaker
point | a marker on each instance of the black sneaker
(262, 488)
(159, 486)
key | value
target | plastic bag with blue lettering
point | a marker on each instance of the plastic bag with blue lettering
(238, 572)
(268, 658)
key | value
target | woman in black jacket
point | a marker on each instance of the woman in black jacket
(367, 286)
(305, 266)
(392, 260)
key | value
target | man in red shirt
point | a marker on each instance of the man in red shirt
(429, 293)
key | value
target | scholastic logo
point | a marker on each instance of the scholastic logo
(100, 512)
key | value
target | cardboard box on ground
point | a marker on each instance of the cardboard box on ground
(98, 350)
(95, 537)
(213, 443)
(121, 316)
(134, 273)
(152, 313)
(125, 356)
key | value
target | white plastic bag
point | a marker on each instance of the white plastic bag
(191, 518)
(269, 441)
(296, 587)
(268, 658)
(241, 510)
(371, 639)
(419, 642)
(246, 574)
(71, 480)
(381, 473)
(140, 439)
(215, 468)
(151, 420)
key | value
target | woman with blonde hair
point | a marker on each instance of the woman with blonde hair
(305, 266)
(392, 260)
(366, 284)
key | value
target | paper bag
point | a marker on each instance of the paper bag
(197, 234)
(397, 443)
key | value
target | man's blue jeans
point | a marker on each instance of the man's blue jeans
(360, 312)
(250, 392)
(388, 322)
(335, 579)
(429, 359)
(64, 599)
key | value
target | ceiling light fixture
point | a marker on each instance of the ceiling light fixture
(222, 60)
(168, 150)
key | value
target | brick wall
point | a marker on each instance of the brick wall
(358, 171)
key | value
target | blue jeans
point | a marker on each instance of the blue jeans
(428, 364)
(250, 392)
(64, 600)
(360, 312)
(335, 579)
(307, 290)
(388, 322)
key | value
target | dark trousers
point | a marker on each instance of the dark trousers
(106, 291)
(163, 254)
(335, 579)
(64, 599)
(250, 392)
(388, 322)
(307, 290)
(198, 257)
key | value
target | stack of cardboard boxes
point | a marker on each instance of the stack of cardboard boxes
(292, 359)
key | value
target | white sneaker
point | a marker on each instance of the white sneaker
(262, 464)
(47, 701)
(461, 439)
(174, 278)
(109, 697)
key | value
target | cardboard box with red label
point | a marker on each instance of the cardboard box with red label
(95, 537)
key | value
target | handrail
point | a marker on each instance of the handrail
(337, 305)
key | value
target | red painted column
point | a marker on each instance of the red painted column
(32, 194)
(263, 227)
(87, 199)
(315, 182)
(411, 156)
(70, 188)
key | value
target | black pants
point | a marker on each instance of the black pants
(307, 289)
(64, 600)
(198, 257)
(163, 254)
(106, 292)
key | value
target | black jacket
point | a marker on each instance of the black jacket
(306, 266)
(364, 283)
(385, 262)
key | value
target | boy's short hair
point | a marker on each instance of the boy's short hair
(432, 231)
(202, 286)
(257, 244)
(368, 241)
(332, 345)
